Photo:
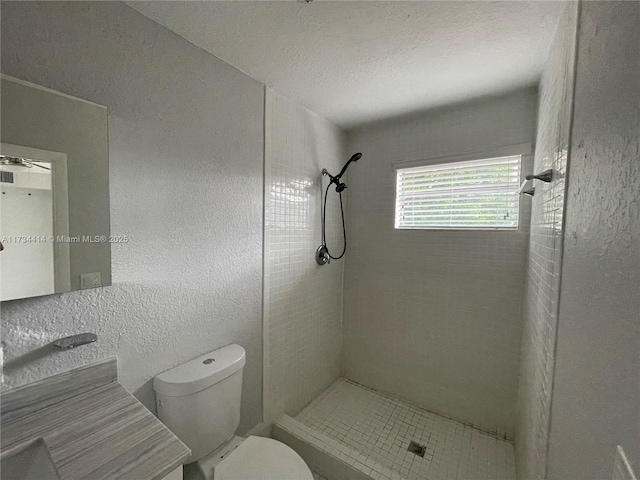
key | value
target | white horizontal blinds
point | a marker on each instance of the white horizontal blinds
(470, 194)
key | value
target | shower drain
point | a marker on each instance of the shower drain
(415, 447)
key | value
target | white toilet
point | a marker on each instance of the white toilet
(200, 402)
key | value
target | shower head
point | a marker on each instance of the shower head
(354, 158)
(340, 187)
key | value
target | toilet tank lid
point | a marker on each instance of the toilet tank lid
(201, 372)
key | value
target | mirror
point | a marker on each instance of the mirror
(54, 192)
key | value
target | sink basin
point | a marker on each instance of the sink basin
(32, 462)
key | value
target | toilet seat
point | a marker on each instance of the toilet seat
(259, 458)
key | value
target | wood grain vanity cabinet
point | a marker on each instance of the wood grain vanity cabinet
(91, 427)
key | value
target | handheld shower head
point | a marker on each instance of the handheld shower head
(354, 158)
(340, 187)
(322, 254)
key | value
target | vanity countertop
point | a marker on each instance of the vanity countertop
(99, 433)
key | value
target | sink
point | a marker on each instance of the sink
(32, 462)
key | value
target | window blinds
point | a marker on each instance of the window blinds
(473, 194)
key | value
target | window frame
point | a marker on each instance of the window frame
(521, 150)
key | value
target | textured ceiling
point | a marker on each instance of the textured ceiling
(356, 62)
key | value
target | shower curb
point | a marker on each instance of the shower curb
(326, 456)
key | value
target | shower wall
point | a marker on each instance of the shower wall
(302, 300)
(435, 316)
(596, 394)
(545, 251)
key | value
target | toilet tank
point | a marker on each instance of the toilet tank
(200, 400)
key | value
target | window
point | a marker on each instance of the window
(475, 194)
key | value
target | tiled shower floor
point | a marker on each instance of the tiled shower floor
(381, 427)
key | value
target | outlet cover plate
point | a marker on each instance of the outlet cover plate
(90, 280)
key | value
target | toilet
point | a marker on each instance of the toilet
(200, 403)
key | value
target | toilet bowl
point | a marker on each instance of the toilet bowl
(255, 458)
(200, 402)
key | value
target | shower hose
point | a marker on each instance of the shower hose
(324, 221)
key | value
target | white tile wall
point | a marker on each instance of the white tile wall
(435, 316)
(545, 249)
(302, 301)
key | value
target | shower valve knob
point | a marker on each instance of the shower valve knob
(322, 255)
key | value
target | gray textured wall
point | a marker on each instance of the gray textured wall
(596, 396)
(435, 316)
(186, 182)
